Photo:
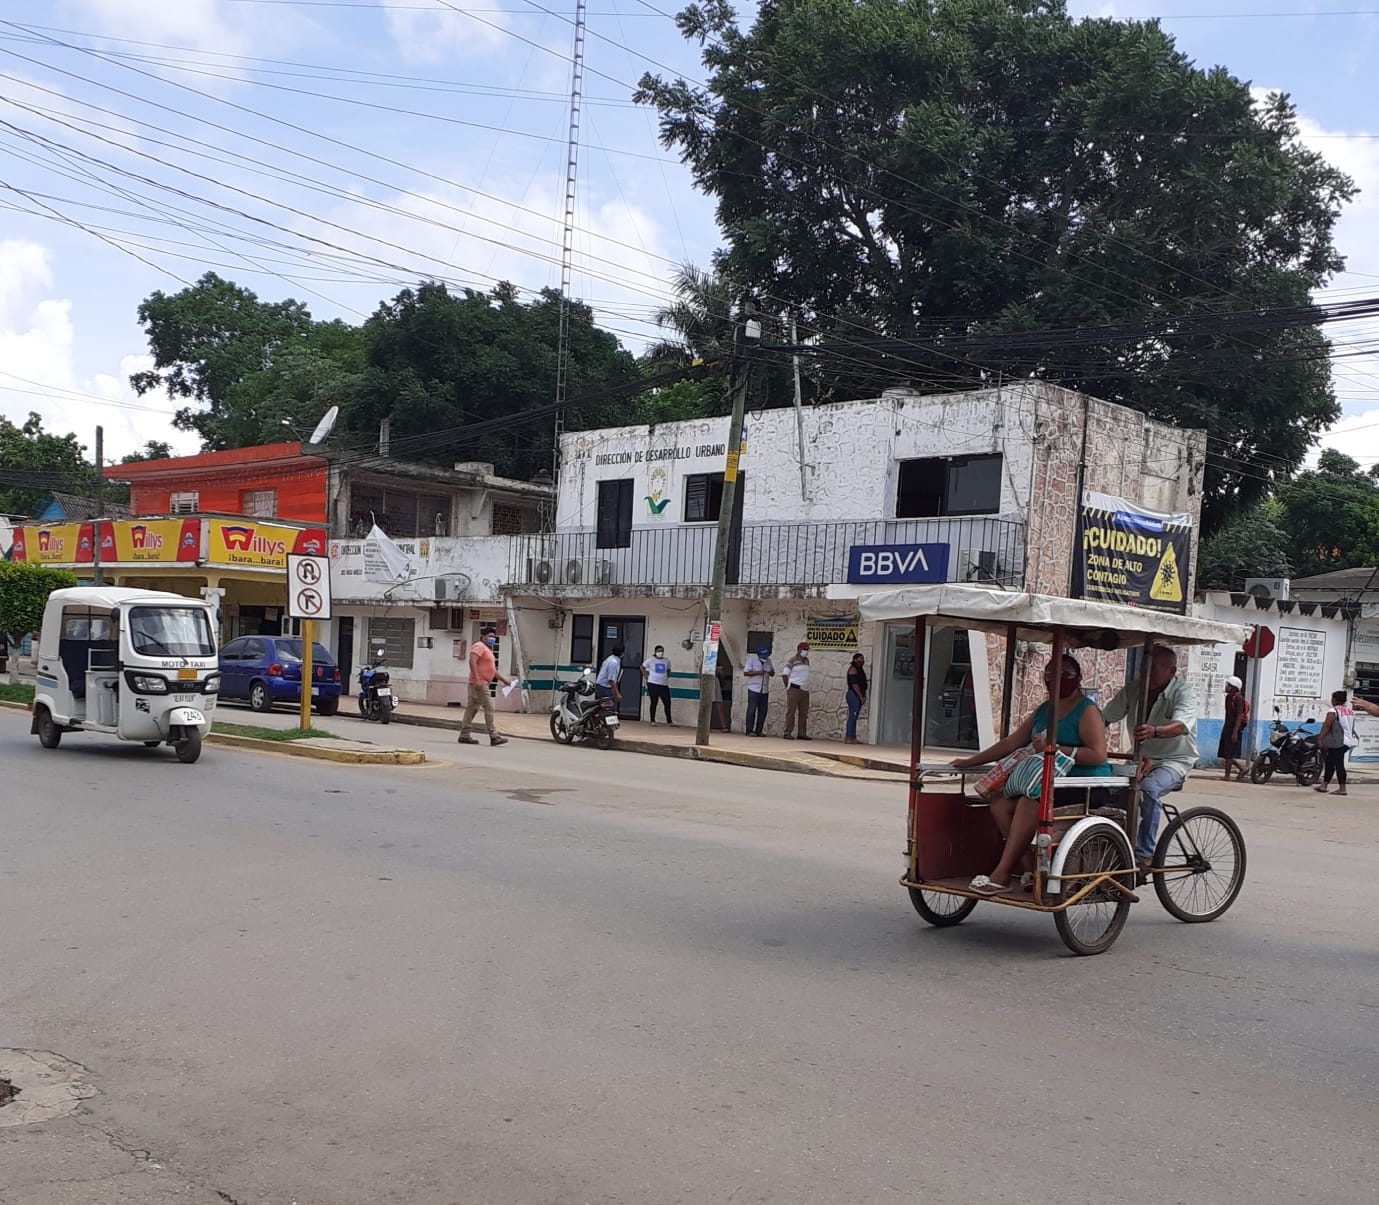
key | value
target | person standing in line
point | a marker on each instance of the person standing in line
(656, 675)
(1335, 740)
(796, 678)
(1237, 716)
(758, 671)
(609, 685)
(483, 669)
(857, 696)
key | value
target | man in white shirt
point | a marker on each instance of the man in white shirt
(796, 679)
(758, 671)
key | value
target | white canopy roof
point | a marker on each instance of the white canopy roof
(1036, 615)
(106, 597)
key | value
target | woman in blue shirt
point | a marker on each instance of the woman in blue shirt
(1081, 733)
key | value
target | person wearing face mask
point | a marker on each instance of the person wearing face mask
(857, 695)
(1081, 734)
(796, 678)
(483, 670)
(656, 675)
(1167, 733)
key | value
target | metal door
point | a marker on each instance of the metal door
(631, 630)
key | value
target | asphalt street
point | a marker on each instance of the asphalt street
(537, 976)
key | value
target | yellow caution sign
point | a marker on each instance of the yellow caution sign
(1168, 582)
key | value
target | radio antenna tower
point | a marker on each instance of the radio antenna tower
(567, 249)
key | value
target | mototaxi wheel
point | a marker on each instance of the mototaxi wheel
(259, 698)
(1200, 865)
(560, 730)
(188, 748)
(1263, 767)
(940, 908)
(1092, 925)
(49, 734)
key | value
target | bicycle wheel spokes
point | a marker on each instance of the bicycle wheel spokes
(1200, 865)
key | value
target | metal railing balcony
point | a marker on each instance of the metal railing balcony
(775, 555)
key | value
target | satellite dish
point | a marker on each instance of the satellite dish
(325, 426)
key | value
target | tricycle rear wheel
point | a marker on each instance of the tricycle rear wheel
(49, 734)
(1092, 925)
(941, 908)
(1201, 860)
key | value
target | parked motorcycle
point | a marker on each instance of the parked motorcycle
(376, 698)
(579, 716)
(1291, 751)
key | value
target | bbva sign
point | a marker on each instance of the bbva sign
(897, 564)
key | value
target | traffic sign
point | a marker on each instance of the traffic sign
(1260, 642)
(308, 587)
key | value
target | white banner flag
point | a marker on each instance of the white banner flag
(384, 561)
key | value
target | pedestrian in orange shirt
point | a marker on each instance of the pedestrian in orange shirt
(483, 669)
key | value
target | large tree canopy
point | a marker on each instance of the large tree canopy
(34, 463)
(1331, 514)
(934, 167)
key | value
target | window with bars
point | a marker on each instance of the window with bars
(184, 502)
(260, 504)
(396, 637)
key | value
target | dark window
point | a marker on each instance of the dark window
(756, 641)
(395, 637)
(949, 485)
(615, 514)
(703, 497)
(581, 640)
(511, 520)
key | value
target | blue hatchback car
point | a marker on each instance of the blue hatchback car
(268, 669)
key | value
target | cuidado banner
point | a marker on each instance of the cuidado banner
(1132, 556)
(260, 545)
(830, 632)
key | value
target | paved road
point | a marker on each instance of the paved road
(540, 976)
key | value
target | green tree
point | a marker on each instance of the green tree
(940, 167)
(155, 449)
(1251, 544)
(212, 343)
(1331, 514)
(24, 590)
(35, 462)
(439, 362)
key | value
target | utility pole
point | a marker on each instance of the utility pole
(97, 576)
(746, 334)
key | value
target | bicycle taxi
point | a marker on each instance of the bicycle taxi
(1085, 873)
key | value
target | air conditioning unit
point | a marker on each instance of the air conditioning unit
(452, 587)
(977, 565)
(1276, 588)
(542, 572)
(587, 571)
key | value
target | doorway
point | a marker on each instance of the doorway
(344, 649)
(950, 702)
(631, 631)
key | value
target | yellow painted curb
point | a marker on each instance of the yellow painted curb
(13, 706)
(356, 757)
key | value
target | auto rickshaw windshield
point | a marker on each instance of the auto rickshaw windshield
(170, 632)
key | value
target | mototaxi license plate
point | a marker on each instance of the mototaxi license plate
(184, 675)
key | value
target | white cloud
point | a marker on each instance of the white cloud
(197, 24)
(39, 370)
(426, 35)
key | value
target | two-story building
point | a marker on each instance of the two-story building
(832, 501)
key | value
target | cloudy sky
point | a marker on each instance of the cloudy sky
(338, 150)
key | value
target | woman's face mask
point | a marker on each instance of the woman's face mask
(660, 652)
(1068, 681)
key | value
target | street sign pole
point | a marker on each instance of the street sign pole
(308, 635)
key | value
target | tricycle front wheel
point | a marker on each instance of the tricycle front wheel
(188, 746)
(940, 908)
(1199, 865)
(1092, 925)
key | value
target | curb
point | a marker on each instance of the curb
(355, 757)
(753, 761)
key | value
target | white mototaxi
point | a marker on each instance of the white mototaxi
(139, 665)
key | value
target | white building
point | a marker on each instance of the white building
(832, 501)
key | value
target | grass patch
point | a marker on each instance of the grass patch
(19, 692)
(272, 734)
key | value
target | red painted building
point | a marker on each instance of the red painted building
(272, 481)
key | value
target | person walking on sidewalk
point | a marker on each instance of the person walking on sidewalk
(1335, 740)
(1237, 716)
(758, 671)
(857, 696)
(656, 675)
(483, 670)
(796, 678)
